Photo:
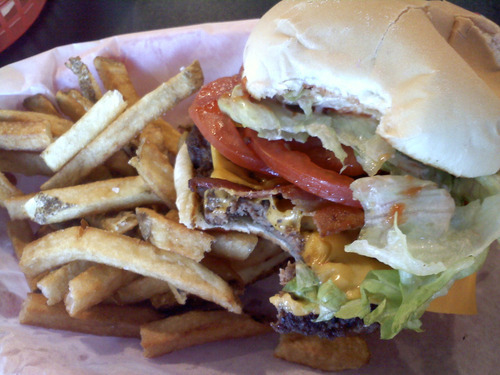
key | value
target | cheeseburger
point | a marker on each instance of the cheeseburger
(362, 137)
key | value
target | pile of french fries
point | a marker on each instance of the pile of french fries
(100, 243)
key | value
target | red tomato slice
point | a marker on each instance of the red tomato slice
(297, 168)
(220, 130)
(327, 159)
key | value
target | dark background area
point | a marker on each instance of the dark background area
(63, 22)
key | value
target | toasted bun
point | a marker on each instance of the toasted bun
(428, 70)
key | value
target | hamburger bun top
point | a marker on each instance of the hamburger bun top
(429, 71)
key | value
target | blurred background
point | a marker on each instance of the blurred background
(63, 22)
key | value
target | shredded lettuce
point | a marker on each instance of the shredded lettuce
(426, 234)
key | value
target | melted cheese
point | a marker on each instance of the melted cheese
(329, 261)
(326, 255)
(227, 170)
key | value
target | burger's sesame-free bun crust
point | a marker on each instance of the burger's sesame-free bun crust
(428, 70)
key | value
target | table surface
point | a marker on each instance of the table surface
(63, 22)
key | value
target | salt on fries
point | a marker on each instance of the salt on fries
(109, 256)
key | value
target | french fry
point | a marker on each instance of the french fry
(262, 261)
(25, 136)
(57, 205)
(120, 251)
(114, 76)
(122, 222)
(15, 206)
(25, 162)
(140, 290)
(73, 104)
(342, 353)
(89, 86)
(171, 236)
(55, 285)
(130, 122)
(196, 328)
(155, 168)
(58, 125)
(164, 301)
(7, 189)
(118, 164)
(84, 130)
(40, 103)
(233, 245)
(101, 320)
(93, 286)
(20, 234)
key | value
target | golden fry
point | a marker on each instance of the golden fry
(40, 103)
(73, 104)
(84, 130)
(86, 80)
(172, 236)
(120, 251)
(57, 205)
(55, 285)
(124, 128)
(93, 286)
(195, 328)
(101, 320)
(58, 125)
(7, 189)
(25, 136)
(155, 168)
(25, 162)
(140, 290)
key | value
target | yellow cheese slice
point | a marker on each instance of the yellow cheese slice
(461, 298)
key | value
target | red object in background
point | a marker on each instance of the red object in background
(16, 16)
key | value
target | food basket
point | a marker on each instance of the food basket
(16, 16)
